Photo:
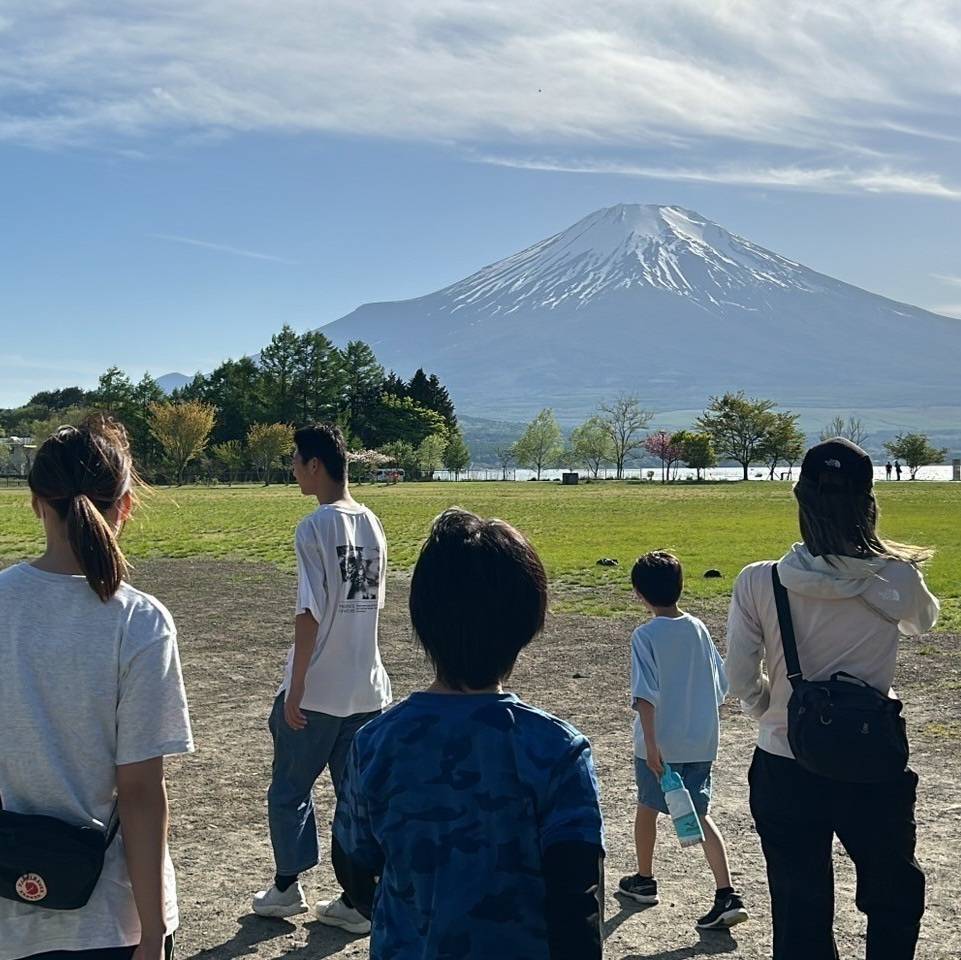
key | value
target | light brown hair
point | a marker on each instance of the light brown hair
(81, 473)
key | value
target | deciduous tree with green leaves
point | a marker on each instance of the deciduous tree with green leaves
(784, 441)
(231, 457)
(541, 444)
(697, 450)
(738, 425)
(402, 454)
(430, 454)
(591, 445)
(916, 450)
(268, 446)
(182, 430)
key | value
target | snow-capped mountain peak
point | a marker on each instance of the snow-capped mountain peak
(664, 247)
(665, 304)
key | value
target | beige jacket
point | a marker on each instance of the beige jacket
(846, 617)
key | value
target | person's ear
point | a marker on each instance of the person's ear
(125, 508)
(37, 504)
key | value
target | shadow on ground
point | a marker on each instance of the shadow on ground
(322, 941)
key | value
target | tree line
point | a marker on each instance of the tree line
(239, 419)
(733, 427)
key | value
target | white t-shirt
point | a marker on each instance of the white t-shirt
(341, 568)
(848, 616)
(84, 686)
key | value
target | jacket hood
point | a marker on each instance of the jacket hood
(812, 576)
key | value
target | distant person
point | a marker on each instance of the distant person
(468, 823)
(677, 686)
(92, 699)
(852, 594)
(887, 470)
(897, 468)
(334, 681)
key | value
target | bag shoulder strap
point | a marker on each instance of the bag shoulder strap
(113, 825)
(787, 629)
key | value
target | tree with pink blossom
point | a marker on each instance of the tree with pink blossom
(660, 444)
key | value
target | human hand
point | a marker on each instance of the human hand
(292, 712)
(150, 948)
(655, 762)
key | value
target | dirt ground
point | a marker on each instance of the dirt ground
(235, 624)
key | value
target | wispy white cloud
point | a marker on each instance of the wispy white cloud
(221, 248)
(866, 85)
(826, 179)
(945, 278)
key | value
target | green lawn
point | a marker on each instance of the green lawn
(723, 526)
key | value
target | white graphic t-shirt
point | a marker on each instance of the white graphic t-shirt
(341, 567)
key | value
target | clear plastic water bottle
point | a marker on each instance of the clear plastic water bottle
(687, 825)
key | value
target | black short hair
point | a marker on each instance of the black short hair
(325, 442)
(658, 578)
(478, 596)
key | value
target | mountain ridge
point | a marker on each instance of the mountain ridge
(659, 301)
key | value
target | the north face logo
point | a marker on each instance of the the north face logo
(31, 887)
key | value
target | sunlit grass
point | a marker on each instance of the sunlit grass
(722, 526)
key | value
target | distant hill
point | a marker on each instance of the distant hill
(663, 303)
(172, 381)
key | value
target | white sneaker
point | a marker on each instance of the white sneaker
(336, 913)
(274, 903)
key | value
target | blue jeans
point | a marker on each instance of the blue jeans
(300, 757)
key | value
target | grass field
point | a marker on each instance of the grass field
(721, 526)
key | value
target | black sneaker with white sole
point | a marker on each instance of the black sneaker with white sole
(639, 889)
(728, 910)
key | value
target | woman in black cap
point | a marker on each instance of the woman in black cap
(851, 596)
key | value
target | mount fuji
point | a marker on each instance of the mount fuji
(660, 302)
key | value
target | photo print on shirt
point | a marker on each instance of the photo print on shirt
(360, 571)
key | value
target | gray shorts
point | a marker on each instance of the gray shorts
(696, 777)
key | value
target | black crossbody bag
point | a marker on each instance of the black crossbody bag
(49, 863)
(842, 728)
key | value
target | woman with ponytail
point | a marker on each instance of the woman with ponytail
(91, 701)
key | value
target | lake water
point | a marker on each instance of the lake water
(935, 472)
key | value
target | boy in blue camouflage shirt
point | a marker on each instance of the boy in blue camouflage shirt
(468, 824)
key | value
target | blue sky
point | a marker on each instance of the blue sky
(180, 179)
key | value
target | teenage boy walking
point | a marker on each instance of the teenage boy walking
(334, 681)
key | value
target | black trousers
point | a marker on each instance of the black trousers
(112, 953)
(797, 815)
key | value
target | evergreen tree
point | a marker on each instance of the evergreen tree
(456, 454)
(278, 362)
(363, 377)
(318, 378)
(394, 386)
(429, 392)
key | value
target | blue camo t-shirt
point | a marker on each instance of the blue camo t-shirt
(452, 800)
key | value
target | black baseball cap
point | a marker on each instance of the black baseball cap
(840, 463)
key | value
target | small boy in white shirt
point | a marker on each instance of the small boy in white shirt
(677, 684)
(334, 681)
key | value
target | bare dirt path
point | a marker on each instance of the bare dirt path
(235, 625)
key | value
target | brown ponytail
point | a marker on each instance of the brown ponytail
(81, 472)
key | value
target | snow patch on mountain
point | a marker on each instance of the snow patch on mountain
(661, 247)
